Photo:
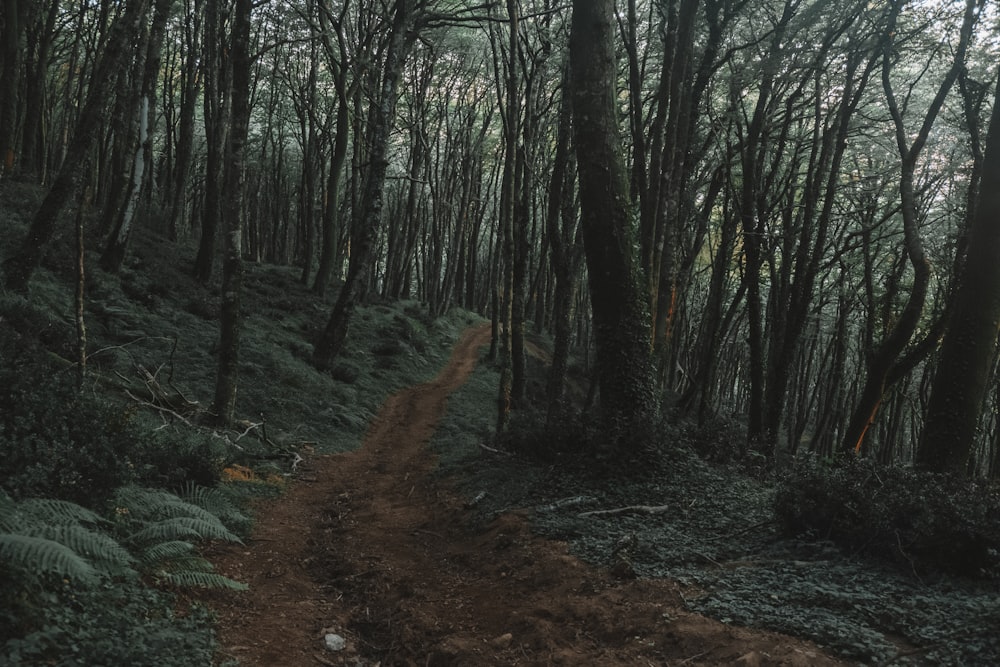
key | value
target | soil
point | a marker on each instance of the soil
(373, 547)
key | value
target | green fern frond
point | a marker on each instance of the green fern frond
(9, 516)
(154, 504)
(37, 554)
(58, 512)
(204, 580)
(216, 502)
(188, 563)
(101, 550)
(165, 551)
(181, 528)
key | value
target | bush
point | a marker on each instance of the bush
(170, 460)
(114, 625)
(60, 443)
(924, 521)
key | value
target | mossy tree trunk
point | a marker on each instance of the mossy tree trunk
(621, 320)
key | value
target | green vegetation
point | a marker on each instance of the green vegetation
(724, 535)
(920, 520)
(108, 490)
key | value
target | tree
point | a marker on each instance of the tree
(144, 103)
(232, 215)
(383, 113)
(883, 368)
(964, 364)
(621, 321)
(10, 66)
(19, 267)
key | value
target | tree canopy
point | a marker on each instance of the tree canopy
(767, 211)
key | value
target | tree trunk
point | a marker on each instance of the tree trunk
(964, 368)
(117, 242)
(401, 39)
(217, 71)
(19, 267)
(10, 79)
(227, 377)
(508, 216)
(621, 322)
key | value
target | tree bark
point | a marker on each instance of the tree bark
(216, 68)
(117, 242)
(227, 376)
(401, 39)
(964, 366)
(19, 267)
(621, 321)
(10, 78)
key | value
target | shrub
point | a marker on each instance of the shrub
(924, 521)
(171, 459)
(60, 443)
(114, 625)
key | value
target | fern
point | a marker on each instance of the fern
(164, 551)
(152, 504)
(58, 512)
(216, 502)
(155, 506)
(32, 555)
(8, 511)
(102, 551)
(181, 528)
(204, 580)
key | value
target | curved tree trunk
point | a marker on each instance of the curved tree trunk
(332, 340)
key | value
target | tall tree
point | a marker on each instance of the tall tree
(216, 101)
(964, 365)
(882, 367)
(10, 80)
(144, 103)
(19, 267)
(232, 214)
(621, 321)
(382, 112)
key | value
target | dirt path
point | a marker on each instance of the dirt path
(368, 545)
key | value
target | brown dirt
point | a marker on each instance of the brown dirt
(371, 546)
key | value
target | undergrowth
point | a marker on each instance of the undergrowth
(721, 538)
(109, 488)
(924, 521)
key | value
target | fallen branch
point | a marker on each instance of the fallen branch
(475, 501)
(566, 502)
(631, 509)
(495, 451)
(159, 408)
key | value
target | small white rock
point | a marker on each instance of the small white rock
(335, 642)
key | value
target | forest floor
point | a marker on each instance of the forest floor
(375, 547)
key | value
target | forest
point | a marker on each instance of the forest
(766, 232)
